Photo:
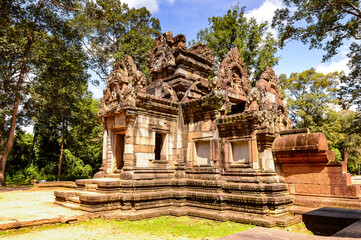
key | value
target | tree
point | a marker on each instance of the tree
(24, 27)
(351, 89)
(20, 157)
(113, 31)
(60, 82)
(325, 24)
(82, 149)
(351, 145)
(256, 46)
(312, 99)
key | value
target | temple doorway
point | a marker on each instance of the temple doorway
(159, 142)
(119, 150)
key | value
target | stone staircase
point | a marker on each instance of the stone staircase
(267, 204)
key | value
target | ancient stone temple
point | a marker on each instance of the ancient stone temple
(188, 143)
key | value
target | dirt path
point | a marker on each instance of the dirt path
(35, 205)
(80, 233)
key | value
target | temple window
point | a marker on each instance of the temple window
(239, 152)
(203, 152)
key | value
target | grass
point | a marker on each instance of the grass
(16, 185)
(24, 230)
(298, 227)
(182, 226)
(165, 227)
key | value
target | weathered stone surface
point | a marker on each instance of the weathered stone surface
(306, 163)
(233, 75)
(328, 221)
(190, 141)
(261, 233)
(352, 231)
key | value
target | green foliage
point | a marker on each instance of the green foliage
(351, 88)
(312, 100)
(352, 144)
(326, 25)
(20, 156)
(113, 30)
(27, 28)
(83, 140)
(85, 135)
(311, 95)
(338, 156)
(74, 167)
(316, 21)
(256, 46)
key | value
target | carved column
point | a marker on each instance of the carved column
(109, 152)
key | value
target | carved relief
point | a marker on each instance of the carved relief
(123, 84)
(232, 73)
(271, 100)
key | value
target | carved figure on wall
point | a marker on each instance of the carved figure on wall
(271, 100)
(162, 56)
(123, 84)
(233, 74)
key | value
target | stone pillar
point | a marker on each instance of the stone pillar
(254, 152)
(104, 157)
(128, 148)
(109, 152)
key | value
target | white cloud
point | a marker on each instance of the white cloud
(340, 65)
(266, 11)
(97, 90)
(151, 5)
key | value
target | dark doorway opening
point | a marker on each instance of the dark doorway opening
(238, 108)
(159, 139)
(119, 150)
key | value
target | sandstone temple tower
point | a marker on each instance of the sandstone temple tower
(188, 144)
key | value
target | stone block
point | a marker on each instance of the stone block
(328, 221)
(143, 149)
(128, 148)
(144, 141)
(142, 159)
(142, 132)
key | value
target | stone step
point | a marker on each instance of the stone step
(71, 205)
(91, 186)
(326, 201)
(73, 199)
(112, 175)
(204, 213)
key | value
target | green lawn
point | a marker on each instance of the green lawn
(167, 227)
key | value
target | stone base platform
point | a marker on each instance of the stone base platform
(264, 204)
(239, 217)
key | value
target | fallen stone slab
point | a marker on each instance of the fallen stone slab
(261, 233)
(42, 221)
(66, 184)
(327, 221)
(352, 231)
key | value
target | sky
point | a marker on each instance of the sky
(189, 16)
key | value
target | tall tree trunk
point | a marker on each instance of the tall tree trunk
(61, 147)
(6, 149)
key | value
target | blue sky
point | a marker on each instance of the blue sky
(190, 16)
